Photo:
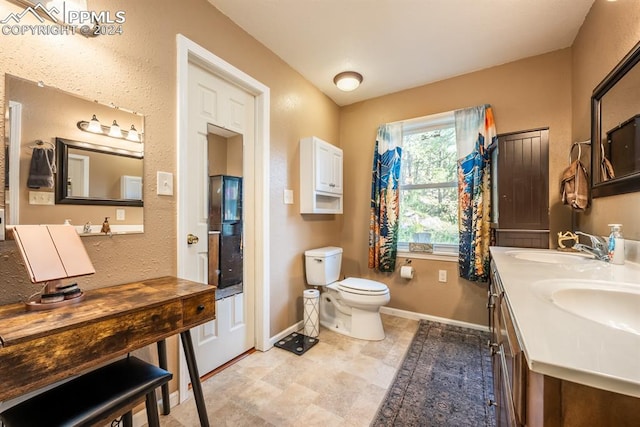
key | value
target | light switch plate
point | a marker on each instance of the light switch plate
(41, 198)
(165, 184)
(288, 197)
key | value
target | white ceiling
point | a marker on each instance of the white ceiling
(400, 44)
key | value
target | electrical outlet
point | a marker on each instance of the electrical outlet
(120, 215)
(41, 198)
(442, 276)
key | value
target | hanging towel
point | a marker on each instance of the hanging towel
(606, 168)
(42, 168)
(575, 186)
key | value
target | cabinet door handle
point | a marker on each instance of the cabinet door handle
(201, 307)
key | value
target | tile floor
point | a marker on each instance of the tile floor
(339, 382)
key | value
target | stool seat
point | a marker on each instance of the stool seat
(92, 397)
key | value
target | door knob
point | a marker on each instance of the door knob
(191, 239)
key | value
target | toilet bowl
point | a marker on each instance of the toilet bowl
(350, 306)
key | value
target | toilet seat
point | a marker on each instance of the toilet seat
(354, 285)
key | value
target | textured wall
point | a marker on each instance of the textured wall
(527, 94)
(610, 31)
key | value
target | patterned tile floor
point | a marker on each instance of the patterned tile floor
(340, 381)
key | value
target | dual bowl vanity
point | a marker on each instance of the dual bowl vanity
(565, 338)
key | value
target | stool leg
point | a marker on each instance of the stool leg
(127, 419)
(153, 419)
(162, 362)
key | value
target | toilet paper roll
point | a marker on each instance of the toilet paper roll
(406, 272)
(311, 299)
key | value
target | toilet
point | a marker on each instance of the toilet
(350, 306)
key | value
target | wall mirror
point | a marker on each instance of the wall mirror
(93, 175)
(90, 174)
(615, 129)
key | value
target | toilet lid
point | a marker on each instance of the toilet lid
(362, 286)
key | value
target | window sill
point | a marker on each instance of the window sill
(435, 256)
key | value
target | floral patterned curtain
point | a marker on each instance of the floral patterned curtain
(475, 138)
(385, 196)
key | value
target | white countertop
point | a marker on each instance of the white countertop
(561, 344)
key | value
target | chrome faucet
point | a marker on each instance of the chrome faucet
(598, 246)
(87, 228)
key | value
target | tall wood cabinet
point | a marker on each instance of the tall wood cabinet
(521, 189)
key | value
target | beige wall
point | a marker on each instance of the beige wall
(527, 94)
(138, 70)
(610, 30)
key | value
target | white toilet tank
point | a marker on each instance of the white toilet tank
(323, 265)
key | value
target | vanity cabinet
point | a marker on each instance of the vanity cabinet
(508, 361)
(320, 176)
(523, 397)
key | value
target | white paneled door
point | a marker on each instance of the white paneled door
(213, 100)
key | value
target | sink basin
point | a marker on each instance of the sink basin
(550, 257)
(612, 304)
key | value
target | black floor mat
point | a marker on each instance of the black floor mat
(296, 343)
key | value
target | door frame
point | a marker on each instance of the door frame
(189, 51)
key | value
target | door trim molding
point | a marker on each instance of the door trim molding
(189, 51)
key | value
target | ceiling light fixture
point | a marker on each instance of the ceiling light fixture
(347, 80)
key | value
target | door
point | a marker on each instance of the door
(523, 189)
(78, 175)
(210, 100)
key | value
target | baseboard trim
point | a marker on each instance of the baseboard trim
(419, 316)
(293, 328)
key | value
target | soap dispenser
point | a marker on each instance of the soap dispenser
(616, 244)
(106, 229)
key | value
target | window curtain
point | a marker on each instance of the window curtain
(475, 138)
(385, 197)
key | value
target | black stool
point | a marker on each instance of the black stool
(109, 391)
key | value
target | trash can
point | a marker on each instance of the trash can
(311, 317)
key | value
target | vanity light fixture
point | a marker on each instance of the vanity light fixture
(94, 125)
(132, 134)
(114, 131)
(347, 80)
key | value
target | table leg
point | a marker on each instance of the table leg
(162, 362)
(187, 345)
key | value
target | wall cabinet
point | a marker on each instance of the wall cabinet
(520, 169)
(320, 176)
(526, 398)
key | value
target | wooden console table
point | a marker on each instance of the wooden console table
(38, 348)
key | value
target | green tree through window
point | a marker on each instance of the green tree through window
(428, 190)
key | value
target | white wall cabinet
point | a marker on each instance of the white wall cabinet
(320, 176)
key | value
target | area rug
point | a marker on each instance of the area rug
(444, 380)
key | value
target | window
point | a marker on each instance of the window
(428, 184)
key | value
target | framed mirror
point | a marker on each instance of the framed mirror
(39, 117)
(615, 129)
(90, 174)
